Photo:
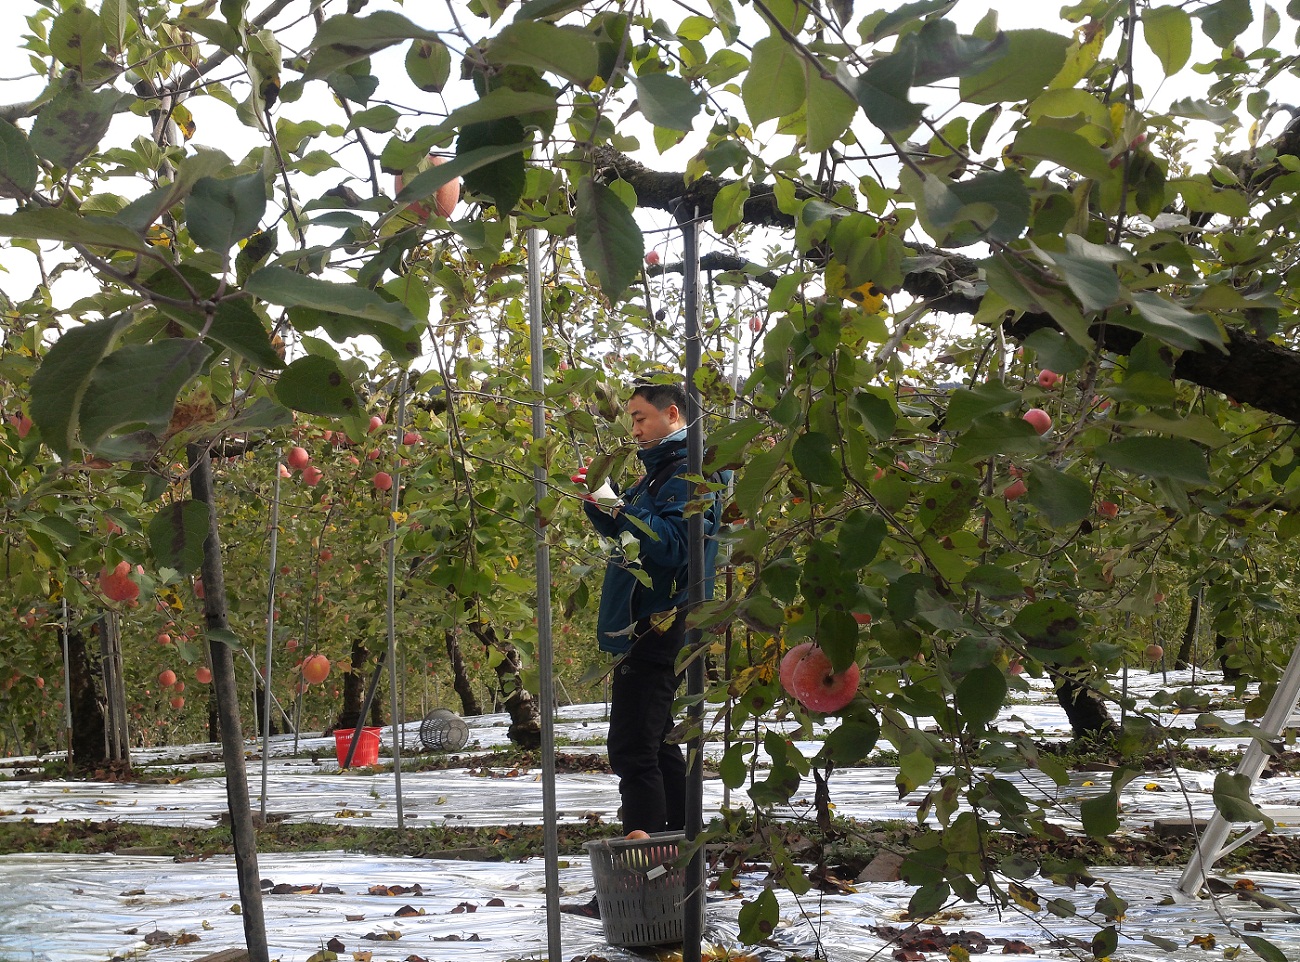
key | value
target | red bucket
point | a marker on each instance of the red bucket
(367, 746)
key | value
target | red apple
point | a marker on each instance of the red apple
(298, 458)
(164, 638)
(1039, 420)
(22, 424)
(40, 682)
(1016, 489)
(755, 324)
(315, 669)
(167, 678)
(179, 686)
(862, 617)
(445, 198)
(382, 480)
(1154, 652)
(285, 472)
(311, 475)
(203, 675)
(652, 258)
(326, 554)
(1107, 509)
(1048, 379)
(376, 422)
(789, 661)
(178, 702)
(291, 644)
(116, 584)
(1158, 597)
(820, 689)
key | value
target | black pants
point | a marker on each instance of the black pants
(651, 773)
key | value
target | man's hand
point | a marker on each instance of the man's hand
(604, 497)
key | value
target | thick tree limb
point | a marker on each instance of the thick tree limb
(1253, 371)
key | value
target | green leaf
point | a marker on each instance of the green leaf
(1171, 458)
(945, 505)
(1170, 322)
(57, 224)
(814, 458)
(609, 240)
(882, 91)
(1168, 32)
(758, 918)
(967, 404)
(877, 413)
(1265, 949)
(859, 538)
(774, 85)
(290, 289)
(729, 206)
(317, 385)
(830, 110)
(758, 475)
(71, 125)
(902, 16)
(1100, 815)
(941, 52)
(428, 64)
(346, 39)
(980, 695)
(1232, 799)
(998, 435)
(851, 742)
(18, 167)
(1065, 500)
(116, 20)
(1223, 22)
(1032, 59)
(667, 101)
(177, 533)
(220, 213)
(63, 378)
(425, 183)
(1063, 147)
(568, 52)
(404, 346)
(733, 767)
(502, 179)
(136, 387)
(994, 581)
(234, 325)
(77, 38)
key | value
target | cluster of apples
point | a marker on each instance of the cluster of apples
(807, 676)
(116, 583)
(167, 679)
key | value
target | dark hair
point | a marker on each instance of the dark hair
(662, 396)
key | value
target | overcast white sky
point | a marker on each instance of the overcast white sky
(218, 127)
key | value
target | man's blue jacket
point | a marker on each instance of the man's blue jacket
(624, 600)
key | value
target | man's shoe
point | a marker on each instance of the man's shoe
(588, 910)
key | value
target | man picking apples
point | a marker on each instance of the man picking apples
(646, 624)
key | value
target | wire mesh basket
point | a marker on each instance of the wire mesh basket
(640, 889)
(443, 731)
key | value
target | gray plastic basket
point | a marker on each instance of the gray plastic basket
(641, 892)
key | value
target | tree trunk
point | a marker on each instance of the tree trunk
(88, 702)
(1089, 717)
(525, 716)
(1225, 648)
(117, 737)
(1186, 648)
(354, 690)
(460, 678)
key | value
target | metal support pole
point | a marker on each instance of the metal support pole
(391, 604)
(545, 647)
(270, 632)
(1211, 846)
(693, 930)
